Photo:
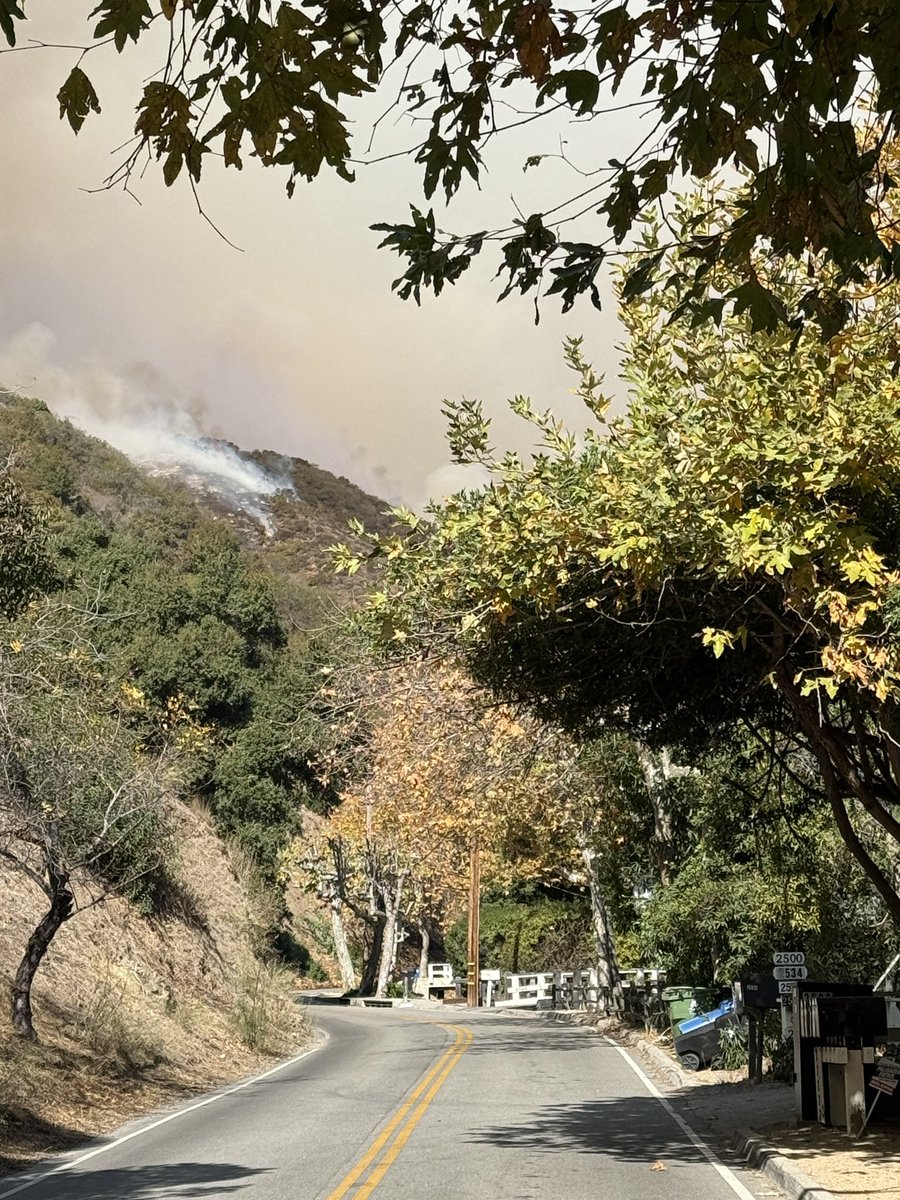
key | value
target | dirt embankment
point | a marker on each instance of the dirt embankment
(133, 1013)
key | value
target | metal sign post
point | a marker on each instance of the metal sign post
(789, 966)
(473, 983)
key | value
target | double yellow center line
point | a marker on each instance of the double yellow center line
(387, 1146)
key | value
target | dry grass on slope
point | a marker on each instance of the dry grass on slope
(134, 1013)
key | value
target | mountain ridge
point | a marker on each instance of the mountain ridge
(287, 510)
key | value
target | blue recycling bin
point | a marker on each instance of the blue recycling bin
(697, 1042)
(725, 1009)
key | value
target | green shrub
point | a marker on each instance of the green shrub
(546, 935)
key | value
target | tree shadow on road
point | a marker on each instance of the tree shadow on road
(27, 1135)
(184, 1181)
(629, 1129)
(518, 1039)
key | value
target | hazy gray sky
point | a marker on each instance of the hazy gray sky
(130, 316)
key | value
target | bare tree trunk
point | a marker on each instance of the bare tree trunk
(656, 776)
(423, 957)
(391, 929)
(608, 978)
(341, 949)
(62, 903)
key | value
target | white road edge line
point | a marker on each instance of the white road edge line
(173, 1116)
(729, 1177)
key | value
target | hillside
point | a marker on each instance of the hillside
(133, 1012)
(175, 641)
(286, 509)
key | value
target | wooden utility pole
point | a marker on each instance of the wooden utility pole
(473, 982)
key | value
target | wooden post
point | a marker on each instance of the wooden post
(855, 1092)
(473, 984)
(755, 1044)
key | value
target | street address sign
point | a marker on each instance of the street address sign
(788, 973)
(788, 958)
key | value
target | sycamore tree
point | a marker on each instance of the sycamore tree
(445, 769)
(440, 771)
(768, 86)
(758, 863)
(726, 553)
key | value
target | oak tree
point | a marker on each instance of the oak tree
(82, 802)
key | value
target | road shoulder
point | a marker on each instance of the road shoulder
(723, 1109)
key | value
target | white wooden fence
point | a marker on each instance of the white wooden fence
(548, 989)
(558, 989)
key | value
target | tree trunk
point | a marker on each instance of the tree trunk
(423, 958)
(608, 978)
(841, 778)
(656, 776)
(391, 929)
(341, 949)
(373, 955)
(62, 903)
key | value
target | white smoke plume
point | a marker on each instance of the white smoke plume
(450, 478)
(138, 412)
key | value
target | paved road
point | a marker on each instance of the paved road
(403, 1105)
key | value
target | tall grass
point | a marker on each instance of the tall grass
(265, 1016)
(106, 1024)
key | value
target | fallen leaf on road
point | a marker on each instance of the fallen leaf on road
(658, 1166)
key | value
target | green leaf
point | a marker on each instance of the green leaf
(641, 277)
(577, 274)
(581, 89)
(123, 19)
(766, 310)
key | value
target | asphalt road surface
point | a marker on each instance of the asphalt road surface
(411, 1105)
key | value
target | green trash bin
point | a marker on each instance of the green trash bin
(687, 1002)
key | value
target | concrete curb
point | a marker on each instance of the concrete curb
(757, 1153)
(662, 1061)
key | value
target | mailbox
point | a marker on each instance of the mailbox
(756, 991)
(836, 1026)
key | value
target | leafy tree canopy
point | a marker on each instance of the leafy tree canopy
(759, 864)
(726, 552)
(770, 87)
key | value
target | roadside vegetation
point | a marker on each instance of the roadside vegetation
(689, 611)
(150, 780)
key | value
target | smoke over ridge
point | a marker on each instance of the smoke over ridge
(138, 412)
